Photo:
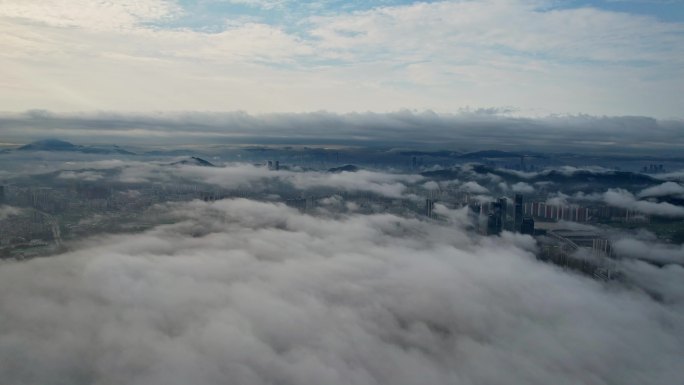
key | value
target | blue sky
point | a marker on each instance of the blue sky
(526, 57)
(667, 10)
(212, 13)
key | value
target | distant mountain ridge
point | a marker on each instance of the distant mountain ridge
(489, 154)
(552, 175)
(194, 161)
(56, 145)
(345, 168)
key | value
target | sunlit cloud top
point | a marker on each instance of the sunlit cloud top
(533, 57)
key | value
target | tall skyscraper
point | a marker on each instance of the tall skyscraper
(518, 212)
(429, 206)
(503, 206)
(494, 220)
(527, 226)
(2, 195)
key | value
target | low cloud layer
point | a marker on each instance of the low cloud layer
(246, 175)
(89, 176)
(474, 187)
(7, 211)
(466, 130)
(231, 176)
(522, 187)
(649, 250)
(256, 293)
(665, 189)
(626, 200)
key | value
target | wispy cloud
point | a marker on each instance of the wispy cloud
(84, 55)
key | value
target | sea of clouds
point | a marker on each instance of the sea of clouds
(245, 292)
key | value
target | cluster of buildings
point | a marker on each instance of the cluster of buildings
(273, 165)
(72, 209)
(580, 213)
(587, 251)
(495, 217)
(75, 209)
(498, 218)
(653, 169)
(543, 210)
(62, 208)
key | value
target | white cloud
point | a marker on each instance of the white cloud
(235, 176)
(522, 187)
(559, 199)
(650, 251)
(260, 294)
(245, 175)
(88, 14)
(667, 188)
(88, 55)
(625, 199)
(265, 4)
(431, 185)
(524, 26)
(8, 211)
(474, 187)
(82, 175)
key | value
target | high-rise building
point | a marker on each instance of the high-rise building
(474, 215)
(429, 206)
(518, 212)
(494, 220)
(493, 224)
(277, 165)
(503, 204)
(527, 226)
(2, 195)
